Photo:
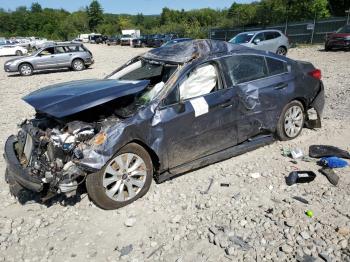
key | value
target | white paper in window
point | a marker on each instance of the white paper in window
(200, 106)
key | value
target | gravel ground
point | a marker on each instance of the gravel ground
(254, 218)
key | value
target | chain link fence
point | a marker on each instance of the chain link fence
(306, 32)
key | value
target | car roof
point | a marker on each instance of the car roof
(186, 51)
(261, 31)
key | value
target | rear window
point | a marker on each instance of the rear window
(276, 66)
(245, 68)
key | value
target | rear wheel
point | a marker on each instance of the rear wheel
(327, 48)
(291, 121)
(25, 69)
(124, 179)
(78, 65)
(281, 50)
(19, 53)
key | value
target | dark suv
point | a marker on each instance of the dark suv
(338, 40)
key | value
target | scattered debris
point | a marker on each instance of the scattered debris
(318, 151)
(224, 184)
(297, 177)
(309, 213)
(236, 196)
(240, 242)
(210, 184)
(296, 153)
(255, 175)
(333, 162)
(155, 251)
(332, 177)
(343, 230)
(126, 250)
(300, 199)
(130, 221)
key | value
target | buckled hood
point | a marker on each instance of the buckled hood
(68, 98)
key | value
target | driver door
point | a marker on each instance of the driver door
(259, 42)
(45, 59)
(197, 117)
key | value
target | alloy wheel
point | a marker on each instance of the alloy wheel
(26, 70)
(124, 177)
(293, 121)
(281, 51)
(78, 65)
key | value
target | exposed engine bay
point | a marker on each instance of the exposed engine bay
(51, 150)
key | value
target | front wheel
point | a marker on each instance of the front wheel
(25, 69)
(124, 179)
(281, 51)
(78, 65)
(19, 53)
(291, 121)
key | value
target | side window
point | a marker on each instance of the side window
(245, 68)
(260, 37)
(276, 66)
(47, 51)
(277, 34)
(270, 35)
(60, 50)
(201, 81)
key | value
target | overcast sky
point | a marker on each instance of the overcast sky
(124, 6)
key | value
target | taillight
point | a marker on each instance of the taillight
(316, 74)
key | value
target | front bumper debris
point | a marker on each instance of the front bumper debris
(15, 173)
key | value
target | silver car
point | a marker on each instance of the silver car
(267, 40)
(74, 56)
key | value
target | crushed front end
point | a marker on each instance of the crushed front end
(44, 155)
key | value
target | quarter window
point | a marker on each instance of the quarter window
(245, 68)
(276, 66)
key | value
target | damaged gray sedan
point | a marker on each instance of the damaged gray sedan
(169, 111)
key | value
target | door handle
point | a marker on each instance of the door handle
(70, 54)
(280, 86)
(52, 56)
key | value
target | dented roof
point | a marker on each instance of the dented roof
(186, 51)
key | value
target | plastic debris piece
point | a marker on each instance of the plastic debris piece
(318, 151)
(240, 242)
(224, 184)
(126, 250)
(297, 177)
(309, 213)
(332, 177)
(296, 153)
(301, 199)
(210, 184)
(255, 175)
(333, 162)
(285, 152)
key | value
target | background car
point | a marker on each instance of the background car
(338, 40)
(12, 50)
(113, 40)
(267, 40)
(140, 41)
(177, 40)
(74, 56)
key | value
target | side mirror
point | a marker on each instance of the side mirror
(256, 41)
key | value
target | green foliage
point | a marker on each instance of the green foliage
(60, 24)
(95, 14)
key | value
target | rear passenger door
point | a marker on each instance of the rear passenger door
(260, 86)
(62, 57)
(271, 41)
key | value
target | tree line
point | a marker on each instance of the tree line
(60, 24)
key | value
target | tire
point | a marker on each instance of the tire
(290, 123)
(25, 69)
(143, 45)
(327, 48)
(78, 64)
(100, 183)
(19, 53)
(281, 51)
